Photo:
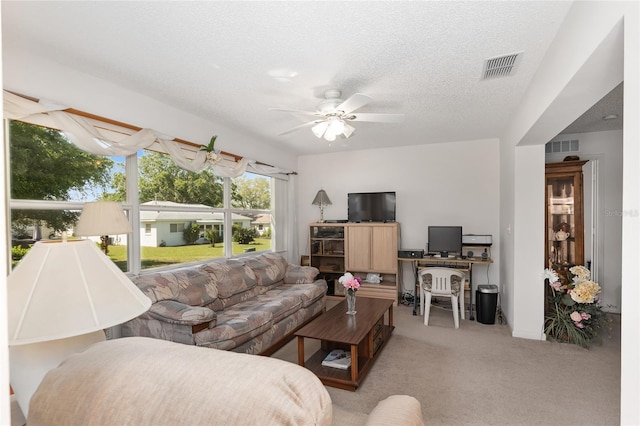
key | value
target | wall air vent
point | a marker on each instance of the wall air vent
(501, 66)
(562, 146)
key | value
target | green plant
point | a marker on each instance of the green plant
(213, 236)
(575, 315)
(210, 146)
(244, 235)
(18, 252)
(191, 233)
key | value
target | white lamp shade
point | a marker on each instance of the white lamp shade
(329, 135)
(320, 128)
(102, 218)
(336, 126)
(67, 288)
(348, 130)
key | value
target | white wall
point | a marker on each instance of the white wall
(596, 48)
(591, 66)
(435, 184)
(630, 368)
(5, 410)
(527, 227)
(606, 149)
(41, 78)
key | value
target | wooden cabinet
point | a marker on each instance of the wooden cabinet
(359, 248)
(327, 249)
(372, 248)
(564, 219)
(564, 215)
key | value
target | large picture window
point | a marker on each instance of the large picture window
(184, 216)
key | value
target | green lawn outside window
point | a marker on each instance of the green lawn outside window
(153, 257)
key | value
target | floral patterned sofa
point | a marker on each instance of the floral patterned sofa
(249, 304)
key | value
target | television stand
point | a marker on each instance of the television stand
(360, 248)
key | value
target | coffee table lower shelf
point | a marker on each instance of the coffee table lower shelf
(343, 379)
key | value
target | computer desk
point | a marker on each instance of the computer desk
(446, 262)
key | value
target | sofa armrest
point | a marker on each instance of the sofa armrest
(175, 312)
(398, 410)
(117, 382)
(296, 274)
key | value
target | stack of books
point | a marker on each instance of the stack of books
(338, 358)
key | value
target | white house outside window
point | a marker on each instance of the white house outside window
(175, 206)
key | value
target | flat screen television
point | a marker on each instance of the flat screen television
(371, 207)
(444, 240)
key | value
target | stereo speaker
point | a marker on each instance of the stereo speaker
(411, 254)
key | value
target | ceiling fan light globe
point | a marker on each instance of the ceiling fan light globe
(330, 136)
(348, 130)
(320, 128)
(336, 126)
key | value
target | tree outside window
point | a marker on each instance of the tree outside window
(46, 168)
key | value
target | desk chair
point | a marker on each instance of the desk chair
(441, 285)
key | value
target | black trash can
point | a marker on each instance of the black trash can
(486, 303)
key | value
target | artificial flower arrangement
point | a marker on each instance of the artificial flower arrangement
(350, 282)
(576, 315)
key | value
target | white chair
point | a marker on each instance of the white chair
(441, 286)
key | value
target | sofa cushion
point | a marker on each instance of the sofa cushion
(308, 293)
(277, 304)
(230, 276)
(240, 297)
(190, 286)
(234, 327)
(179, 313)
(297, 274)
(269, 268)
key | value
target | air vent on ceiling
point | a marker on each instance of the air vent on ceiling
(562, 146)
(501, 66)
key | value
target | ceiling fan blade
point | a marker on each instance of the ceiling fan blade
(379, 118)
(358, 100)
(301, 126)
(296, 111)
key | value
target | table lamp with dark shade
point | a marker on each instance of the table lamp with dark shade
(321, 199)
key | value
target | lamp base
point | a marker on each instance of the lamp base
(104, 244)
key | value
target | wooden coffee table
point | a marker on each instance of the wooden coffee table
(364, 334)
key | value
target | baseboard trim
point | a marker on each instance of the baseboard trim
(531, 335)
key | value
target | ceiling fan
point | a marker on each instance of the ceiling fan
(333, 114)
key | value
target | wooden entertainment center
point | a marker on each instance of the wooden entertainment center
(359, 248)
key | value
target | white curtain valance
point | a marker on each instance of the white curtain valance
(88, 137)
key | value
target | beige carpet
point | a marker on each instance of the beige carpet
(480, 375)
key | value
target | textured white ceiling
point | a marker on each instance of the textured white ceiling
(230, 61)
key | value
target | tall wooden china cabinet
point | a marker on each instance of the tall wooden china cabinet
(564, 217)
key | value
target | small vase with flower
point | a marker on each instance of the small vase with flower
(351, 283)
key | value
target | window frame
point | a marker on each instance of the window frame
(133, 208)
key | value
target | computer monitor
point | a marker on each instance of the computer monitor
(445, 241)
